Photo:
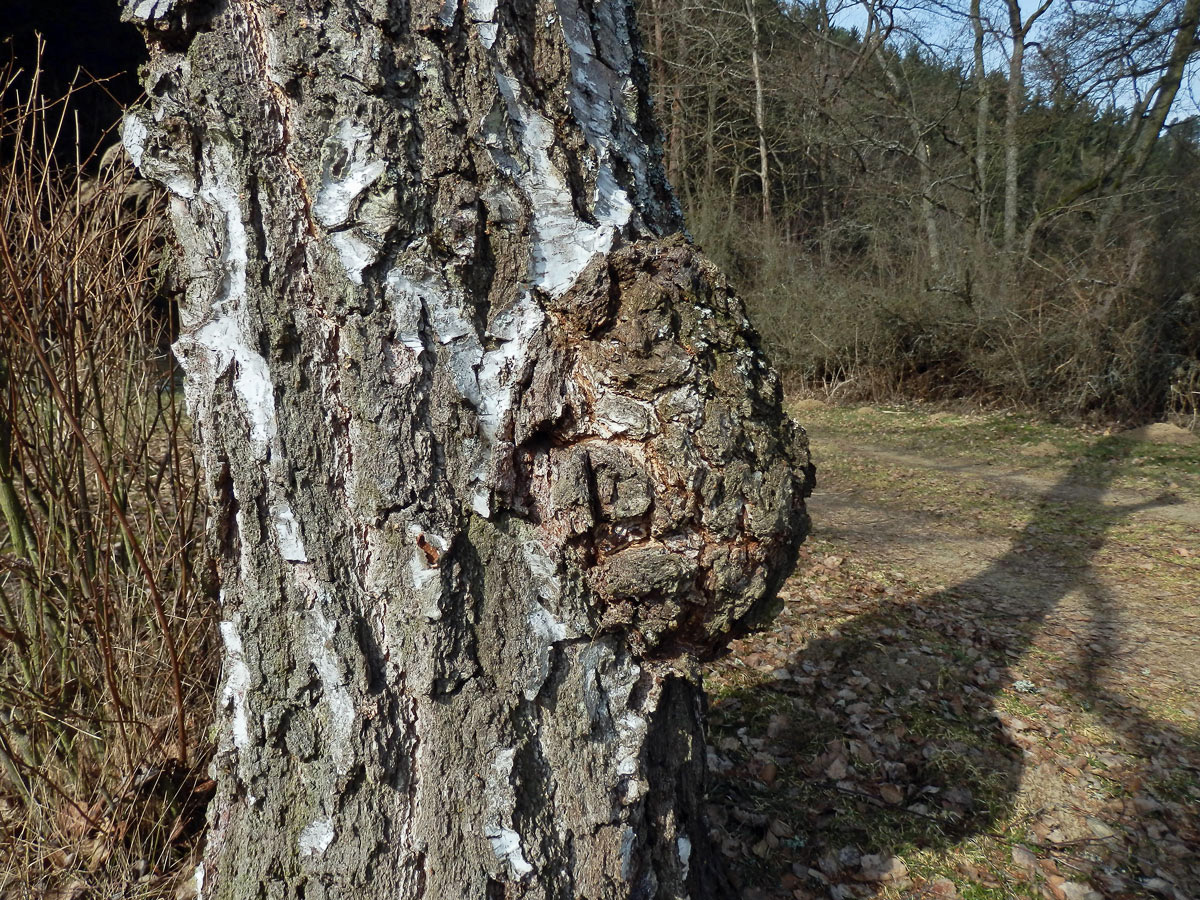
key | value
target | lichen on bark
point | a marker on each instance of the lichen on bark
(493, 455)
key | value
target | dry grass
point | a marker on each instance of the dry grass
(104, 675)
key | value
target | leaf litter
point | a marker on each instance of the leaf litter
(971, 692)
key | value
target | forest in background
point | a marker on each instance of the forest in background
(917, 205)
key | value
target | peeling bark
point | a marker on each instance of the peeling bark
(494, 458)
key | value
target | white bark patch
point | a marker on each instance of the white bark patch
(287, 532)
(171, 171)
(338, 701)
(237, 685)
(355, 253)
(426, 585)
(133, 136)
(455, 330)
(544, 629)
(561, 244)
(163, 169)
(545, 626)
(336, 196)
(315, 839)
(144, 12)
(225, 340)
(226, 337)
(405, 299)
(607, 688)
(683, 846)
(501, 801)
(543, 569)
(631, 729)
(412, 299)
(601, 88)
(506, 844)
(485, 380)
(500, 368)
(483, 15)
(198, 880)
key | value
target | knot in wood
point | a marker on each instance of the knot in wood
(654, 456)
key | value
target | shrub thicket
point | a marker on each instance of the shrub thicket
(106, 666)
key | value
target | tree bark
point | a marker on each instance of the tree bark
(1150, 114)
(666, 81)
(902, 99)
(493, 456)
(1013, 106)
(1019, 35)
(928, 210)
(760, 124)
(982, 115)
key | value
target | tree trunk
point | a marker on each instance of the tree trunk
(710, 141)
(677, 149)
(928, 210)
(1019, 33)
(493, 457)
(903, 99)
(1150, 115)
(1016, 99)
(982, 115)
(760, 124)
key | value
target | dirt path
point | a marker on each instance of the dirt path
(1021, 482)
(1098, 581)
(983, 683)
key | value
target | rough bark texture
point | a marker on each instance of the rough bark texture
(493, 456)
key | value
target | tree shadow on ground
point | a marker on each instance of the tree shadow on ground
(906, 729)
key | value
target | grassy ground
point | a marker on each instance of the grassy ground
(984, 681)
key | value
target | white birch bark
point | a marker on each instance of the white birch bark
(493, 457)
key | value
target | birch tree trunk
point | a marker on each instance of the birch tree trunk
(1018, 35)
(902, 98)
(1012, 112)
(760, 124)
(982, 115)
(493, 457)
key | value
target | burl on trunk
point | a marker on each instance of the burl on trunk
(494, 458)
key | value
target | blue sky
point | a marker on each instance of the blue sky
(933, 23)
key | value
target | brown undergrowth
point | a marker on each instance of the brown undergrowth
(105, 667)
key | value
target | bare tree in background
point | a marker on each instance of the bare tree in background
(1019, 27)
